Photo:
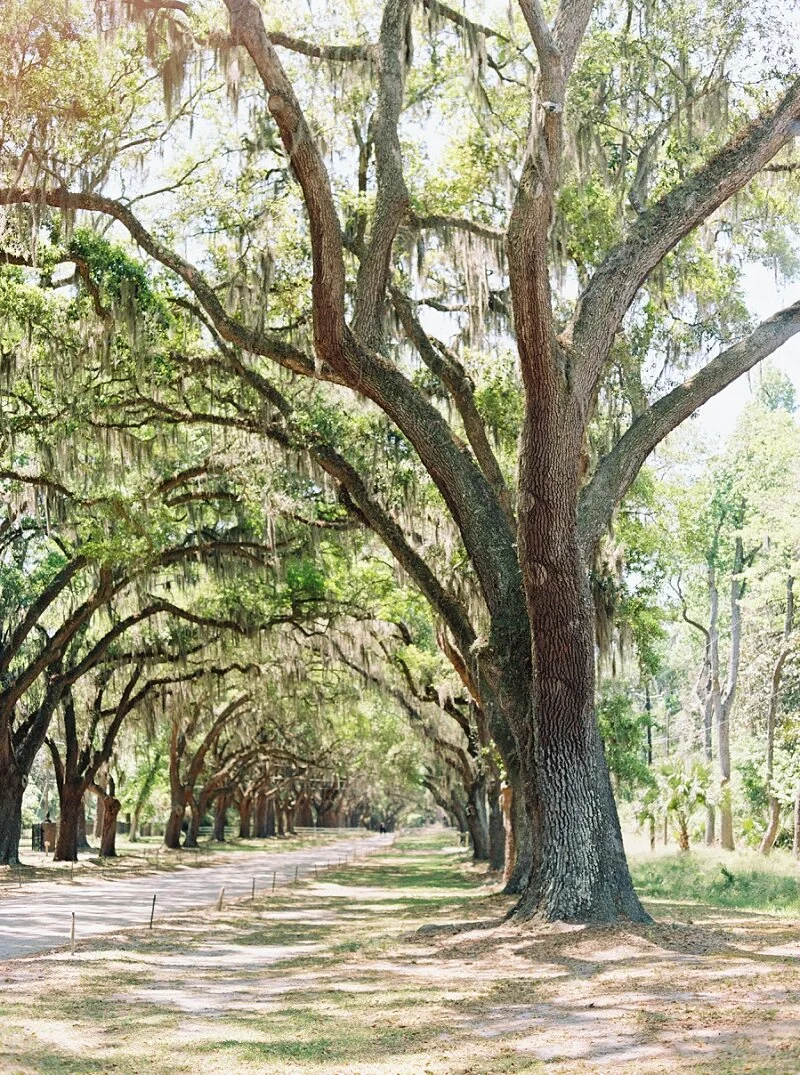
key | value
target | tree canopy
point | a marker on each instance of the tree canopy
(347, 334)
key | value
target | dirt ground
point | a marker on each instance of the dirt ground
(336, 977)
(146, 857)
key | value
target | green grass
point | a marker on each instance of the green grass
(735, 881)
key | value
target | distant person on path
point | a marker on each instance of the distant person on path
(382, 829)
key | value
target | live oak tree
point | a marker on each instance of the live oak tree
(84, 571)
(575, 174)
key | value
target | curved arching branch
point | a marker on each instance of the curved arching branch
(657, 231)
(274, 348)
(616, 472)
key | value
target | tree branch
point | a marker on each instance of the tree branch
(328, 274)
(618, 469)
(337, 53)
(658, 230)
(442, 222)
(454, 378)
(285, 354)
(392, 196)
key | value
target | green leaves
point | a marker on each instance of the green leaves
(123, 281)
(623, 728)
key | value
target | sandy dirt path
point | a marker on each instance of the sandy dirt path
(40, 918)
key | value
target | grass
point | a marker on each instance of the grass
(742, 881)
(332, 977)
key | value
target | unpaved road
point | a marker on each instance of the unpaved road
(40, 918)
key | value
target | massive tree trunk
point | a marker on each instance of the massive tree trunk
(478, 820)
(193, 829)
(245, 806)
(270, 818)
(519, 840)
(510, 855)
(303, 814)
(220, 818)
(98, 827)
(580, 872)
(174, 826)
(459, 813)
(100, 778)
(12, 788)
(260, 816)
(83, 839)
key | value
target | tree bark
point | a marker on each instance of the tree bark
(796, 835)
(519, 865)
(723, 704)
(774, 822)
(98, 827)
(497, 832)
(111, 808)
(12, 788)
(773, 827)
(193, 830)
(510, 856)
(580, 872)
(456, 807)
(174, 826)
(70, 800)
(220, 818)
(245, 806)
(303, 812)
(260, 816)
(83, 840)
(478, 820)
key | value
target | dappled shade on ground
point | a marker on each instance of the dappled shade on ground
(335, 977)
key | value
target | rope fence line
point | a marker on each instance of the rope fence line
(150, 857)
(252, 890)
